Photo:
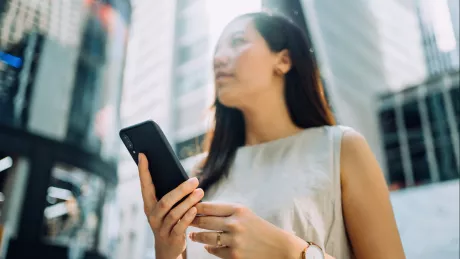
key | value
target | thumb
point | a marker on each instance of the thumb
(148, 188)
(143, 163)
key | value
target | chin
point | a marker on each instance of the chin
(227, 102)
(227, 99)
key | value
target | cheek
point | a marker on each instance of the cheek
(254, 69)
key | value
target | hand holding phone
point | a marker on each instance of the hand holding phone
(165, 168)
(169, 196)
(167, 223)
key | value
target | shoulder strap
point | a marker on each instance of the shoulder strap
(337, 133)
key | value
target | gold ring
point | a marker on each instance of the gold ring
(219, 241)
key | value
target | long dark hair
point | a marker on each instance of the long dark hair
(304, 95)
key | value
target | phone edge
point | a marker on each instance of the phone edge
(165, 139)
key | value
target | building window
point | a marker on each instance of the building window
(190, 147)
(192, 51)
(134, 211)
(191, 81)
(191, 25)
(183, 4)
(132, 243)
(416, 141)
(396, 178)
(441, 136)
(437, 126)
(190, 115)
(455, 96)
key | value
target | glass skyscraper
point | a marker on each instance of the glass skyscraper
(61, 71)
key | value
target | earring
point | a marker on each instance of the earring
(278, 72)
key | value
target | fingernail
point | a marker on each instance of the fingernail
(191, 235)
(198, 192)
(194, 180)
(139, 157)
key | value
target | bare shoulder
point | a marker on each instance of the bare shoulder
(357, 161)
(353, 141)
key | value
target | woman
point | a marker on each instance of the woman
(281, 181)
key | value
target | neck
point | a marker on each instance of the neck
(268, 121)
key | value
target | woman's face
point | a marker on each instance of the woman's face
(243, 65)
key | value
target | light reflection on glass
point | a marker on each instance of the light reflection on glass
(73, 214)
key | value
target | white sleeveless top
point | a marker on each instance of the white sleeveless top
(293, 183)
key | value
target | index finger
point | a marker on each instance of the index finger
(147, 187)
(216, 209)
(174, 196)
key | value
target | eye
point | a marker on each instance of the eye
(237, 41)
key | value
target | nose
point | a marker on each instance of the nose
(221, 59)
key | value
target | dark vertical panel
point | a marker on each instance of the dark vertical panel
(416, 141)
(441, 135)
(455, 96)
(390, 141)
(30, 225)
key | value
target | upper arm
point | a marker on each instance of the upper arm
(369, 218)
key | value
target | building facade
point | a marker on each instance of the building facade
(192, 71)
(60, 86)
(420, 132)
(439, 24)
(362, 50)
(193, 103)
(147, 95)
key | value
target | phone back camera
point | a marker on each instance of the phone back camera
(128, 142)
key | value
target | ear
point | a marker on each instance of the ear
(284, 62)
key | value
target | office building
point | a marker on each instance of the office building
(363, 50)
(420, 131)
(199, 26)
(60, 86)
(147, 95)
(192, 70)
(439, 24)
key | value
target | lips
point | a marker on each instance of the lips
(223, 75)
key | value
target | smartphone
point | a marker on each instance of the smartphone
(165, 168)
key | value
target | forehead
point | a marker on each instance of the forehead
(238, 26)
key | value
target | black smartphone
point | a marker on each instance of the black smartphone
(165, 168)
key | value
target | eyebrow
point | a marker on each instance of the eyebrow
(231, 36)
(237, 34)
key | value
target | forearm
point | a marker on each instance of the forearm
(182, 256)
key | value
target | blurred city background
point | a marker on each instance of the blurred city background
(73, 72)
